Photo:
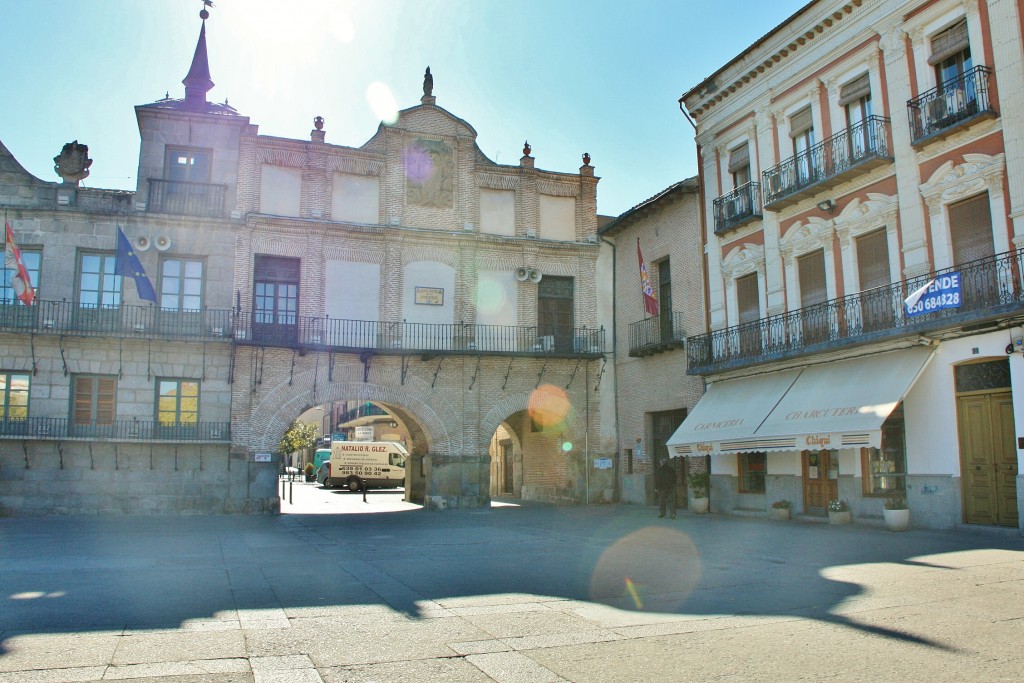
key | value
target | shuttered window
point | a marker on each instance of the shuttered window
(747, 298)
(739, 158)
(873, 260)
(854, 90)
(800, 122)
(94, 400)
(812, 278)
(970, 228)
(950, 42)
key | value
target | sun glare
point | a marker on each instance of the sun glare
(382, 101)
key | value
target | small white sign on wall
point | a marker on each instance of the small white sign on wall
(602, 463)
(363, 433)
(261, 457)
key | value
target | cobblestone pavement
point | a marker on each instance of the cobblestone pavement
(390, 592)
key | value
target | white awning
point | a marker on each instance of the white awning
(833, 405)
(727, 415)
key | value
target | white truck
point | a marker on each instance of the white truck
(360, 465)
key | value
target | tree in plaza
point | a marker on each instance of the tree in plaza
(299, 436)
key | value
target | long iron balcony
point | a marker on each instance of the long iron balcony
(990, 289)
(68, 318)
(656, 335)
(859, 147)
(186, 198)
(946, 107)
(48, 428)
(740, 206)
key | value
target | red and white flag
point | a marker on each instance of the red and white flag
(650, 303)
(21, 283)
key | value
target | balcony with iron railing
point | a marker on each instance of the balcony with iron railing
(656, 335)
(855, 149)
(740, 206)
(186, 198)
(951, 105)
(990, 290)
(67, 318)
(64, 429)
(369, 410)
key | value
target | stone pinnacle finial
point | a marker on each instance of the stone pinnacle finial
(428, 84)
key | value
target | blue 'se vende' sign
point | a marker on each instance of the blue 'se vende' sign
(942, 292)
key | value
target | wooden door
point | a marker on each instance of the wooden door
(821, 480)
(749, 303)
(988, 458)
(507, 485)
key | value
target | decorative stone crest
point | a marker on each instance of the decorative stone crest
(73, 162)
(952, 182)
(802, 237)
(743, 260)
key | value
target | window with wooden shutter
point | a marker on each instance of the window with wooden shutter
(876, 299)
(93, 401)
(813, 292)
(748, 303)
(970, 230)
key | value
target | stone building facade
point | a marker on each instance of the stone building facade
(412, 272)
(863, 194)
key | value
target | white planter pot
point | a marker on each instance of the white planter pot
(896, 520)
(844, 517)
(699, 505)
(779, 514)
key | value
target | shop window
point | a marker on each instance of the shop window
(752, 467)
(885, 468)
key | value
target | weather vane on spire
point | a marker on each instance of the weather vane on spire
(203, 14)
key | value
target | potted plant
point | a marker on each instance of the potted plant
(839, 512)
(780, 510)
(699, 482)
(896, 513)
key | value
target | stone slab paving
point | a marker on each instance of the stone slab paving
(384, 591)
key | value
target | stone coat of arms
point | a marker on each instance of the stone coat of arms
(73, 162)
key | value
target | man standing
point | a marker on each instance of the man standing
(665, 485)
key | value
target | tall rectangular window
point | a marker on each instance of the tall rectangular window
(14, 396)
(31, 258)
(99, 286)
(192, 165)
(813, 293)
(665, 299)
(181, 284)
(748, 303)
(555, 313)
(177, 403)
(885, 468)
(855, 97)
(801, 130)
(752, 468)
(739, 165)
(93, 403)
(876, 300)
(276, 299)
(970, 228)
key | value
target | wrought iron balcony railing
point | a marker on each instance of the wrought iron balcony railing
(49, 428)
(68, 318)
(657, 334)
(185, 198)
(990, 289)
(427, 338)
(738, 207)
(951, 104)
(140, 322)
(830, 160)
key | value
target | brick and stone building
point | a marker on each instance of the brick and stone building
(864, 220)
(411, 271)
(653, 391)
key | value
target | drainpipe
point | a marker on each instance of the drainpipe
(615, 376)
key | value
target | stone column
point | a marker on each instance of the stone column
(912, 219)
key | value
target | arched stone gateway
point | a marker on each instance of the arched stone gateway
(451, 407)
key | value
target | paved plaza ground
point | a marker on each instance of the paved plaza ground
(389, 592)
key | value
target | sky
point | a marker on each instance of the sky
(570, 76)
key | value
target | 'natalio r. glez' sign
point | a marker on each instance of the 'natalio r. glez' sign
(936, 294)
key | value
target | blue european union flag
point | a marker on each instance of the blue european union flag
(128, 265)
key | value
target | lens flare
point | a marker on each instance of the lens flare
(490, 296)
(652, 569)
(342, 28)
(567, 446)
(418, 164)
(382, 101)
(548, 405)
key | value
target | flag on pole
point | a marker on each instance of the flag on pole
(21, 283)
(128, 265)
(650, 303)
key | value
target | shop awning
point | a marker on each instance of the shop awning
(729, 413)
(828, 406)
